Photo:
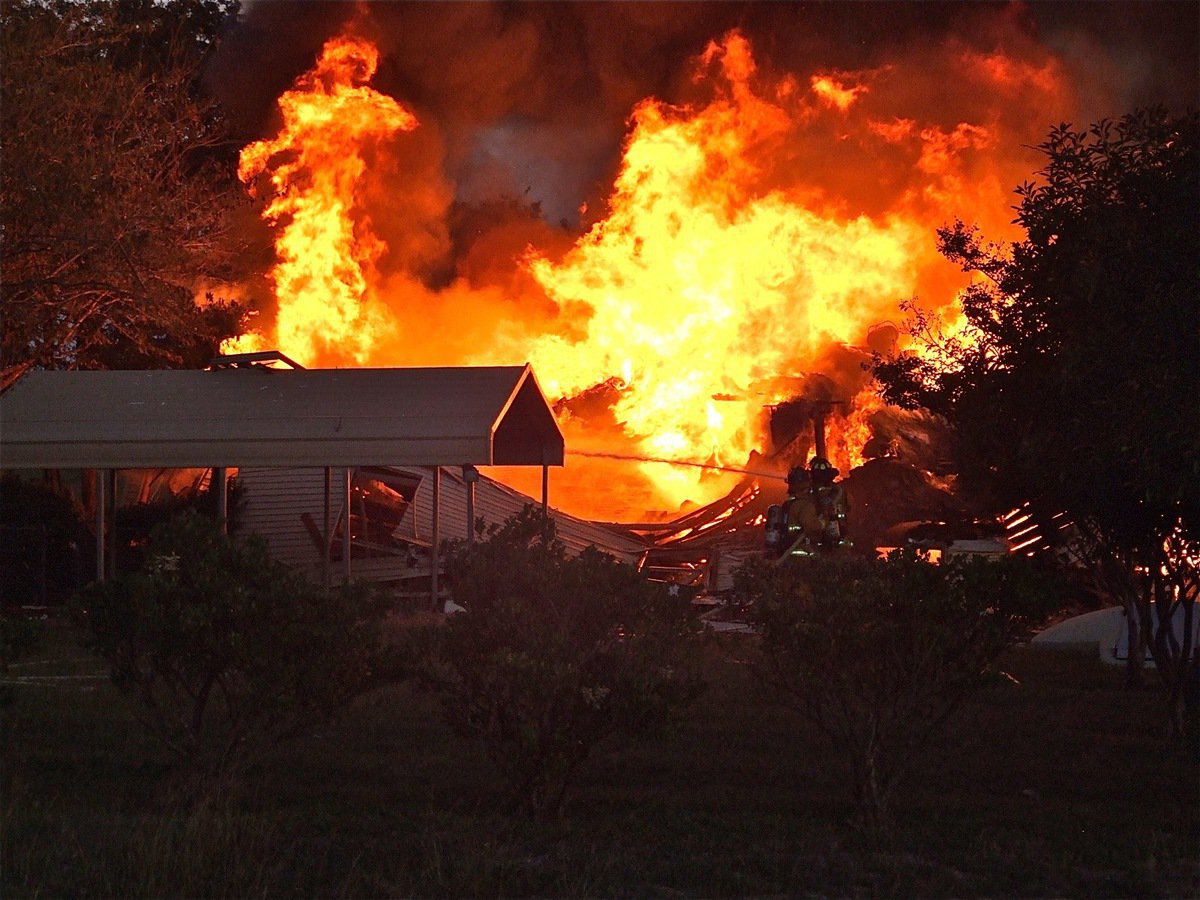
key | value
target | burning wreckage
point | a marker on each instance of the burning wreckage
(296, 442)
(732, 267)
(890, 501)
(393, 524)
(885, 503)
(395, 515)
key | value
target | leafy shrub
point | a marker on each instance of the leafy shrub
(556, 653)
(879, 653)
(45, 548)
(135, 522)
(227, 650)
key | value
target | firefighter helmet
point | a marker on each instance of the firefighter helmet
(822, 469)
(797, 478)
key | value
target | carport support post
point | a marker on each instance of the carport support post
(326, 535)
(221, 486)
(101, 499)
(470, 476)
(545, 484)
(347, 536)
(434, 560)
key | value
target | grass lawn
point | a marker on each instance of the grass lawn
(1057, 784)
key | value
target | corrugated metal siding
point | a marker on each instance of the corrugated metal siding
(262, 417)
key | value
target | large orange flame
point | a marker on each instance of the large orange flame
(706, 286)
(751, 240)
(326, 247)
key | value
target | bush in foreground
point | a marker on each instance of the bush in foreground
(879, 653)
(556, 653)
(43, 544)
(227, 650)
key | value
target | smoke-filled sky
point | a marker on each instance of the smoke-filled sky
(532, 99)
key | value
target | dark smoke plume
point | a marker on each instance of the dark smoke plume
(531, 99)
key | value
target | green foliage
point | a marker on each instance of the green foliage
(1025, 591)
(227, 650)
(135, 522)
(556, 653)
(878, 653)
(117, 186)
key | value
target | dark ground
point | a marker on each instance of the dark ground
(1056, 784)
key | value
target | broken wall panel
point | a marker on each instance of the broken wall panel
(278, 501)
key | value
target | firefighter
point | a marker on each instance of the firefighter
(829, 500)
(800, 514)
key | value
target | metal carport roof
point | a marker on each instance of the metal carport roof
(258, 416)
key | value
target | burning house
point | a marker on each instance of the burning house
(696, 221)
(362, 469)
(735, 263)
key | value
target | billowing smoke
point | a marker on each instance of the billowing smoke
(531, 99)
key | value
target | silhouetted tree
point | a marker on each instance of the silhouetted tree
(556, 654)
(116, 186)
(226, 650)
(1075, 384)
(879, 653)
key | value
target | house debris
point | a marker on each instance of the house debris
(398, 516)
(371, 469)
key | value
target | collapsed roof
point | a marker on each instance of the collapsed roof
(705, 546)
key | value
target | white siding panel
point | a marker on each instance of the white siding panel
(276, 498)
(275, 501)
(495, 502)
